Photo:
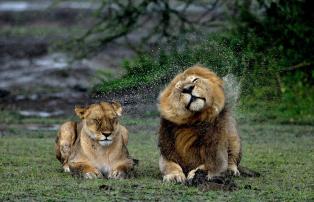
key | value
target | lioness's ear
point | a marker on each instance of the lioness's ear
(117, 107)
(80, 111)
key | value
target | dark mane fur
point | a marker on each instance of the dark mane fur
(205, 145)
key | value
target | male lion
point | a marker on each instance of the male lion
(197, 130)
(96, 146)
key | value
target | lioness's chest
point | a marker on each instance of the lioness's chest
(102, 157)
(105, 163)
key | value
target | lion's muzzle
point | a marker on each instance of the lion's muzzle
(193, 101)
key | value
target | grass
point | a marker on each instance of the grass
(299, 112)
(283, 154)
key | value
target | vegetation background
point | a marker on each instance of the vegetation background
(268, 45)
(57, 54)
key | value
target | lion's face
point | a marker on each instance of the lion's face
(194, 95)
(100, 121)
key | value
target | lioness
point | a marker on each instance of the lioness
(96, 146)
(197, 130)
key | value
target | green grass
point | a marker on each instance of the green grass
(299, 112)
(283, 154)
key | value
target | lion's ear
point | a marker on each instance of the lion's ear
(117, 107)
(80, 111)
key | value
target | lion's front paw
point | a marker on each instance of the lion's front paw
(117, 175)
(192, 174)
(174, 177)
(234, 170)
(212, 175)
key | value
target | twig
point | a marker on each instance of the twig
(294, 67)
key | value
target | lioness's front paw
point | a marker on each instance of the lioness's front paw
(66, 168)
(117, 175)
(174, 177)
(234, 170)
(90, 175)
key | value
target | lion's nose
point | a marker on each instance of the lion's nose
(188, 89)
(106, 134)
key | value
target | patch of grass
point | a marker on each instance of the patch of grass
(282, 153)
(292, 110)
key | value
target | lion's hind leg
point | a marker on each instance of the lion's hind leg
(234, 154)
(171, 171)
(64, 141)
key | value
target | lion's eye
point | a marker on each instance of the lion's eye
(194, 80)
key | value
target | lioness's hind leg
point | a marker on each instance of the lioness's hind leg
(64, 141)
(171, 171)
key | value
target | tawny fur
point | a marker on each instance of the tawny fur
(96, 146)
(197, 130)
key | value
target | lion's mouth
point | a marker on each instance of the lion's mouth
(193, 98)
(105, 141)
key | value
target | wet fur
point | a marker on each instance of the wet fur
(207, 139)
(194, 143)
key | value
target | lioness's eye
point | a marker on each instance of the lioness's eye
(114, 120)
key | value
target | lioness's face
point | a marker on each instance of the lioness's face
(100, 121)
(195, 93)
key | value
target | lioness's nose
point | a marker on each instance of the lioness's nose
(188, 89)
(106, 134)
